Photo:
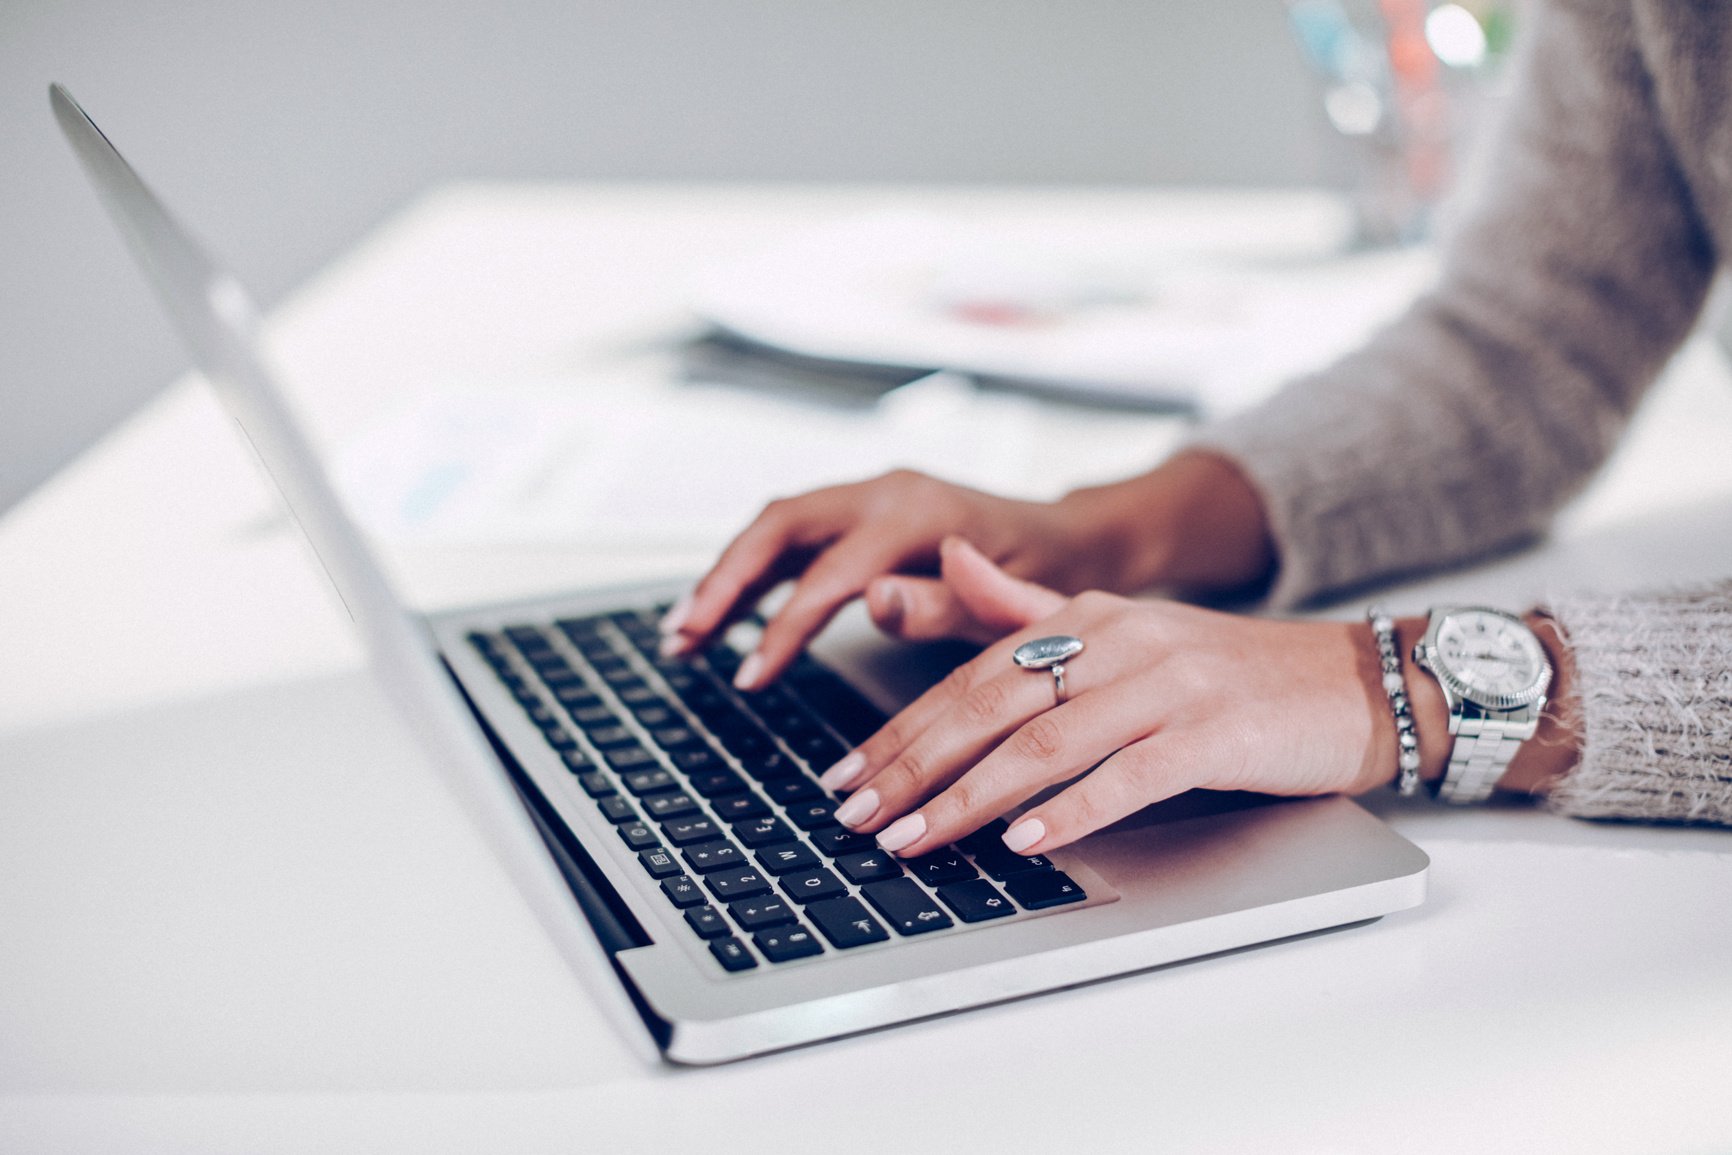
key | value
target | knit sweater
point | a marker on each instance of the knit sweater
(1460, 429)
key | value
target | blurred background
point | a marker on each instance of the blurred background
(285, 132)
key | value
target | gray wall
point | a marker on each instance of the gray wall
(283, 131)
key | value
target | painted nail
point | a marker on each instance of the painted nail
(750, 671)
(902, 832)
(838, 776)
(1024, 834)
(676, 617)
(858, 808)
(674, 645)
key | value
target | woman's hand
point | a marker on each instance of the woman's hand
(1194, 522)
(847, 540)
(1164, 697)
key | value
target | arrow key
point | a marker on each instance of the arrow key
(975, 900)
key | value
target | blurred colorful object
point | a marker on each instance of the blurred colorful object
(1403, 83)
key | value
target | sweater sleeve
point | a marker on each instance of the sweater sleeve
(1461, 428)
(1654, 675)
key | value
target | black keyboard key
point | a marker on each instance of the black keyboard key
(771, 766)
(638, 695)
(696, 759)
(789, 790)
(660, 863)
(736, 807)
(709, 857)
(542, 717)
(675, 805)
(596, 784)
(732, 954)
(1001, 862)
(674, 737)
(1039, 889)
(629, 758)
(975, 900)
(594, 717)
(786, 943)
(869, 866)
(642, 782)
(728, 885)
(811, 885)
(577, 697)
(656, 714)
(638, 836)
(942, 866)
(717, 783)
(682, 891)
(526, 697)
(758, 913)
(762, 831)
(813, 814)
(558, 738)
(818, 749)
(616, 809)
(992, 834)
(605, 738)
(834, 840)
(707, 921)
(576, 761)
(685, 831)
(834, 700)
(845, 922)
(785, 857)
(905, 906)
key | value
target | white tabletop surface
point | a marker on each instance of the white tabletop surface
(199, 958)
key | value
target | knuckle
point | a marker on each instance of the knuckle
(1039, 740)
(903, 777)
(984, 702)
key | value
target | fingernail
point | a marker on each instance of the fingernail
(750, 671)
(674, 645)
(838, 776)
(895, 607)
(676, 617)
(1024, 834)
(902, 832)
(858, 808)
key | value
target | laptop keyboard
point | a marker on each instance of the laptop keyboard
(716, 792)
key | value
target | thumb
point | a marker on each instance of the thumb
(992, 597)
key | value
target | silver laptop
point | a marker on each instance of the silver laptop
(643, 806)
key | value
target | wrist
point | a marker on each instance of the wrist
(1193, 524)
(1556, 746)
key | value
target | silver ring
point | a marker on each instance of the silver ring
(1050, 654)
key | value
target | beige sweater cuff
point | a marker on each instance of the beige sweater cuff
(1654, 675)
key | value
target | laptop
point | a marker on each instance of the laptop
(670, 831)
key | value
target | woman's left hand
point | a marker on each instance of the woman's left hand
(1164, 697)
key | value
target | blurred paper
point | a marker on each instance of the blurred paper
(1099, 313)
(558, 463)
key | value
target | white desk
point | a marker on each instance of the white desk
(199, 959)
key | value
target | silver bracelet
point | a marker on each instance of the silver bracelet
(1395, 686)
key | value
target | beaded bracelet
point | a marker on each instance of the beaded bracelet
(1395, 685)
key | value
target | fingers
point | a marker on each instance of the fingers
(751, 558)
(996, 600)
(1047, 749)
(838, 576)
(985, 715)
(974, 600)
(1141, 774)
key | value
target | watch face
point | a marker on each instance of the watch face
(1493, 658)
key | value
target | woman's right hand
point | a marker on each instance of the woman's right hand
(1194, 521)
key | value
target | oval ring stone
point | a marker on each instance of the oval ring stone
(1044, 653)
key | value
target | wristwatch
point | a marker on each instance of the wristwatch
(1494, 676)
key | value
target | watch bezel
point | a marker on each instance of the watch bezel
(1427, 655)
